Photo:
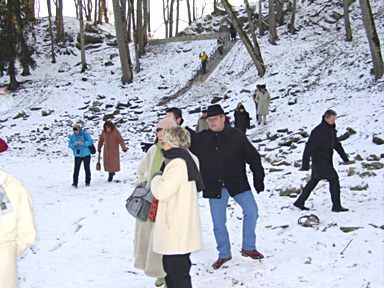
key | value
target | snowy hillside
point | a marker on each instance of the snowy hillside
(85, 236)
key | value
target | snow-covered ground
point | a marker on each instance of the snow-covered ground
(85, 236)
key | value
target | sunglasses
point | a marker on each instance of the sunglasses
(75, 129)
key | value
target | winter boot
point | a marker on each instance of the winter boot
(110, 177)
(339, 209)
(161, 282)
(217, 265)
(254, 254)
(74, 185)
(300, 206)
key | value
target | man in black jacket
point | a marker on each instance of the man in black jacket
(320, 146)
(223, 152)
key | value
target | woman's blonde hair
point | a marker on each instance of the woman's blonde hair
(177, 137)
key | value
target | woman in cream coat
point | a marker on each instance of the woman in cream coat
(17, 227)
(145, 258)
(177, 230)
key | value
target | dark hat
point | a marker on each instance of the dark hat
(263, 86)
(204, 110)
(3, 145)
(258, 86)
(242, 107)
(215, 110)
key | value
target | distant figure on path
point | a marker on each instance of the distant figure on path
(220, 45)
(254, 99)
(202, 123)
(111, 139)
(233, 32)
(263, 98)
(17, 226)
(79, 142)
(321, 143)
(204, 59)
(242, 121)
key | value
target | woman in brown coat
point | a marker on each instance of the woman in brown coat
(111, 139)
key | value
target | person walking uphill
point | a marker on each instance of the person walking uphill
(79, 142)
(263, 98)
(177, 231)
(242, 121)
(17, 227)
(320, 146)
(223, 152)
(145, 258)
(204, 59)
(111, 139)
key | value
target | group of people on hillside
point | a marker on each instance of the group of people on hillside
(176, 167)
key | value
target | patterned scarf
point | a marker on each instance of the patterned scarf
(5, 204)
(156, 166)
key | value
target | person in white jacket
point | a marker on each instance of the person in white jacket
(145, 258)
(177, 230)
(17, 227)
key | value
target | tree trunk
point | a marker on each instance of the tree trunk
(103, 11)
(261, 28)
(53, 56)
(95, 15)
(347, 22)
(139, 26)
(272, 22)
(293, 18)
(373, 38)
(189, 12)
(280, 14)
(254, 52)
(76, 8)
(59, 21)
(100, 12)
(149, 17)
(251, 24)
(171, 19)
(82, 42)
(194, 10)
(131, 12)
(165, 17)
(145, 28)
(125, 61)
(89, 8)
(13, 84)
(177, 16)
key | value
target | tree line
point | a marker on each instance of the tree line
(133, 24)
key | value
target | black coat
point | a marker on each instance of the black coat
(320, 146)
(222, 159)
(242, 121)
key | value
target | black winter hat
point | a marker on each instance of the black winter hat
(215, 110)
(242, 107)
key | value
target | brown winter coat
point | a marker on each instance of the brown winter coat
(111, 141)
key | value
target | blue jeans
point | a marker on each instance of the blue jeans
(219, 218)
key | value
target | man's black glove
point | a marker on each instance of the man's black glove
(259, 185)
(145, 146)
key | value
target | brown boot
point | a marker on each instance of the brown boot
(254, 254)
(217, 265)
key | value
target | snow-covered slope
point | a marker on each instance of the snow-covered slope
(85, 235)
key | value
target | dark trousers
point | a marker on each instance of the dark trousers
(221, 48)
(87, 162)
(334, 187)
(204, 66)
(177, 268)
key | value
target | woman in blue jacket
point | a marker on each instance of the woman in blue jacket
(79, 142)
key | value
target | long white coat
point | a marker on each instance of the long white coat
(145, 258)
(17, 229)
(263, 99)
(177, 226)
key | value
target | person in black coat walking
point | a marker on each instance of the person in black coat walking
(223, 153)
(242, 121)
(320, 146)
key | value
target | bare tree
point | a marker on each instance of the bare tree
(146, 21)
(194, 10)
(103, 11)
(131, 12)
(139, 26)
(76, 8)
(125, 60)
(59, 20)
(166, 17)
(272, 22)
(171, 18)
(280, 14)
(347, 22)
(82, 42)
(261, 28)
(293, 16)
(251, 24)
(189, 12)
(88, 7)
(254, 51)
(177, 16)
(53, 56)
(373, 38)
(96, 10)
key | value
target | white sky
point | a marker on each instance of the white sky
(156, 12)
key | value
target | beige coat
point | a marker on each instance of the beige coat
(17, 229)
(263, 99)
(111, 155)
(145, 258)
(202, 124)
(177, 227)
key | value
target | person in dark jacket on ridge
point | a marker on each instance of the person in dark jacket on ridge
(242, 121)
(320, 146)
(223, 152)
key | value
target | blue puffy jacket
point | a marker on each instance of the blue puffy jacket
(80, 150)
